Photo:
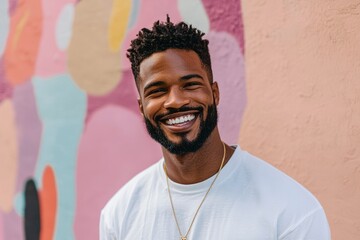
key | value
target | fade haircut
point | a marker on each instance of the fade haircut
(165, 35)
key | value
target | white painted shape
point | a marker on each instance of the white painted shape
(193, 12)
(4, 24)
(64, 24)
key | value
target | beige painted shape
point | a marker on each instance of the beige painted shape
(8, 155)
(303, 111)
(92, 64)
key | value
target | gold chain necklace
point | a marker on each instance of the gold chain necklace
(184, 237)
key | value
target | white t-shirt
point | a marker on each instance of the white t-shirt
(250, 200)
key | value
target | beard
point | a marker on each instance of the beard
(185, 146)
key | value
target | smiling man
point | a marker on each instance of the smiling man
(202, 188)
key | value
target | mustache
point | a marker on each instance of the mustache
(177, 110)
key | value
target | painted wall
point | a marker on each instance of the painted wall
(70, 130)
(303, 88)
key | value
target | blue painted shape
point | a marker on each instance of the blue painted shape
(134, 13)
(58, 98)
(62, 109)
(197, 16)
(19, 203)
(4, 24)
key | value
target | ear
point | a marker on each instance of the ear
(216, 93)
(140, 106)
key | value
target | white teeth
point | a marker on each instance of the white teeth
(181, 119)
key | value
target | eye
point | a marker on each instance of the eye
(155, 92)
(192, 85)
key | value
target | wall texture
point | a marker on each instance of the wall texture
(303, 110)
(70, 130)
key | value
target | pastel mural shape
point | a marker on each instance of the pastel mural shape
(118, 23)
(4, 24)
(23, 41)
(29, 132)
(8, 155)
(93, 65)
(57, 20)
(48, 204)
(147, 19)
(125, 95)
(12, 223)
(31, 211)
(13, 226)
(226, 15)
(63, 27)
(63, 114)
(2, 235)
(229, 71)
(12, 6)
(197, 16)
(1, 228)
(5, 87)
(67, 105)
(122, 149)
(134, 13)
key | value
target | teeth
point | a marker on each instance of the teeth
(181, 119)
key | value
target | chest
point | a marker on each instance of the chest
(219, 217)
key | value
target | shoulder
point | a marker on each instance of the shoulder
(274, 183)
(296, 209)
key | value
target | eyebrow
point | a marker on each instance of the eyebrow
(187, 77)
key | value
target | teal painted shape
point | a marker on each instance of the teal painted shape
(62, 110)
(59, 99)
(4, 24)
(19, 204)
(134, 13)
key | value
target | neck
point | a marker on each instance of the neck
(200, 165)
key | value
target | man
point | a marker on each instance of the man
(202, 188)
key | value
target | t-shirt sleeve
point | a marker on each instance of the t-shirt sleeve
(105, 232)
(313, 226)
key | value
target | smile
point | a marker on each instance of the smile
(180, 119)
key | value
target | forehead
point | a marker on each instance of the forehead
(171, 62)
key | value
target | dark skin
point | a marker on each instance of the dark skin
(172, 79)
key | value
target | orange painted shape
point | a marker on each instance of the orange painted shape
(23, 41)
(48, 204)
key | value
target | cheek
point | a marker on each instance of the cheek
(151, 108)
(205, 98)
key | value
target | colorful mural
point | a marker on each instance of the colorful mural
(70, 131)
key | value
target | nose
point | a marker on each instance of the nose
(176, 99)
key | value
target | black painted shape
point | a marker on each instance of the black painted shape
(32, 211)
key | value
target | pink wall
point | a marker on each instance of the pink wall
(303, 111)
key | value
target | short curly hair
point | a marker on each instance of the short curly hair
(165, 35)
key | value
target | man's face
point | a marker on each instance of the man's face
(177, 100)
